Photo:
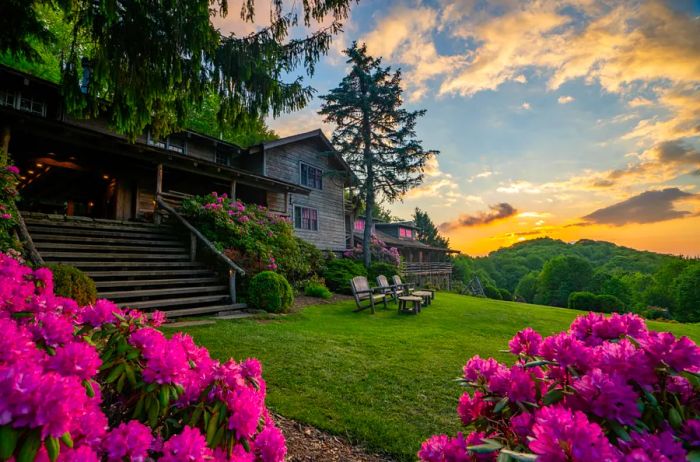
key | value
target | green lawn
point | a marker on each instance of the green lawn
(383, 380)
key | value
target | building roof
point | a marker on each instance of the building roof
(403, 224)
(313, 134)
(392, 241)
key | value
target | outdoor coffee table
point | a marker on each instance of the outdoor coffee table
(414, 301)
(426, 295)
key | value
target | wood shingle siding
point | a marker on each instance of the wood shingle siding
(284, 163)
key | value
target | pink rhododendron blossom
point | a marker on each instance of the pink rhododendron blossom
(691, 433)
(526, 342)
(560, 435)
(189, 445)
(75, 358)
(270, 444)
(471, 408)
(102, 311)
(478, 368)
(608, 396)
(130, 440)
(662, 447)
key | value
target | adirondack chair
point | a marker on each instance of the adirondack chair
(393, 291)
(363, 293)
(408, 287)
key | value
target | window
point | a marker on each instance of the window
(169, 143)
(406, 233)
(311, 176)
(359, 224)
(7, 99)
(305, 218)
(21, 103)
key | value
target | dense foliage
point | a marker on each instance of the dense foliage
(375, 135)
(154, 61)
(379, 251)
(599, 303)
(271, 292)
(70, 282)
(548, 271)
(606, 390)
(427, 231)
(251, 236)
(8, 210)
(96, 382)
(316, 287)
(378, 268)
(340, 271)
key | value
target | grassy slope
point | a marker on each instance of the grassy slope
(382, 380)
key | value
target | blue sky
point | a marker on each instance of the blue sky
(557, 108)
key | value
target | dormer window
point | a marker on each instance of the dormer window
(311, 177)
(406, 233)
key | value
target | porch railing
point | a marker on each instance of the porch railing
(427, 268)
(196, 236)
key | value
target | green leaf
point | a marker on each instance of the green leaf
(53, 448)
(164, 396)
(500, 405)
(674, 418)
(212, 427)
(620, 431)
(8, 441)
(138, 410)
(153, 412)
(539, 362)
(130, 375)
(694, 456)
(88, 388)
(67, 440)
(520, 456)
(116, 372)
(27, 452)
(121, 382)
(553, 396)
(482, 448)
(196, 415)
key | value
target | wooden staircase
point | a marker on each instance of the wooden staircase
(137, 265)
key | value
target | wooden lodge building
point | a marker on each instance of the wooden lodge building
(93, 199)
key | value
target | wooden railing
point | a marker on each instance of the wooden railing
(427, 268)
(26, 239)
(196, 236)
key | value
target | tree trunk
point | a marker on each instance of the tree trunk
(5, 145)
(369, 181)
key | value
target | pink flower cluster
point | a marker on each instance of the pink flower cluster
(64, 370)
(608, 389)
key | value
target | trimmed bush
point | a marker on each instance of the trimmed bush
(505, 294)
(317, 289)
(379, 267)
(591, 302)
(492, 292)
(70, 282)
(339, 272)
(271, 292)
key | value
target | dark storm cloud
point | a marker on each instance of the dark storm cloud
(496, 212)
(647, 207)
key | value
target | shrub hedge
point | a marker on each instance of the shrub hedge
(70, 282)
(339, 272)
(589, 301)
(271, 292)
(379, 267)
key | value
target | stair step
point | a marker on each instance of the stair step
(106, 247)
(40, 237)
(114, 256)
(99, 225)
(155, 282)
(165, 303)
(153, 273)
(205, 310)
(122, 294)
(38, 216)
(132, 264)
(97, 232)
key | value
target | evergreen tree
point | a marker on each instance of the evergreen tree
(427, 231)
(374, 134)
(154, 61)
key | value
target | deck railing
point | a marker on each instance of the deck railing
(427, 268)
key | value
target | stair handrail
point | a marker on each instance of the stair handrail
(233, 268)
(27, 241)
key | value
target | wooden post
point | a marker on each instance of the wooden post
(233, 190)
(286, 203)
(193, 247)
(4, 145)
(159, 190)
(232, 284)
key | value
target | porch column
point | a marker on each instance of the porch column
(233, 190)
(159, 190)
(4, 145)
(286, 203)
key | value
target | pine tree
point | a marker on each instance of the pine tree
(374, 134)
(427, 231)
(153, 61)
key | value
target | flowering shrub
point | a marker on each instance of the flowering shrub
(379, 250)
(100, 383)
(249, 234)
(608, 389)
(9, 176)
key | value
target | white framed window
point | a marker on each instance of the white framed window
(305, 218)
(168, 143)
(23, 103)
(311, 176)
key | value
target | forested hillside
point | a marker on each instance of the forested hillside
(589, 275)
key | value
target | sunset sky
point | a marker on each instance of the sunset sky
(554, 118)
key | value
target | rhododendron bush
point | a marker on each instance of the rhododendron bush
(249, 234)
(101, 383)
(608, 389)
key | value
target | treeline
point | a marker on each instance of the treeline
(588, 275)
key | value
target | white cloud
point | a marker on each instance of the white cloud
(438, 184)
(565, 99)
(525, 106)
(480, 175)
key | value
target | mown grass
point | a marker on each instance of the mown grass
(383, 380)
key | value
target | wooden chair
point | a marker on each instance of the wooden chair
(407, 288)
(392, 290)
(363, 293)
